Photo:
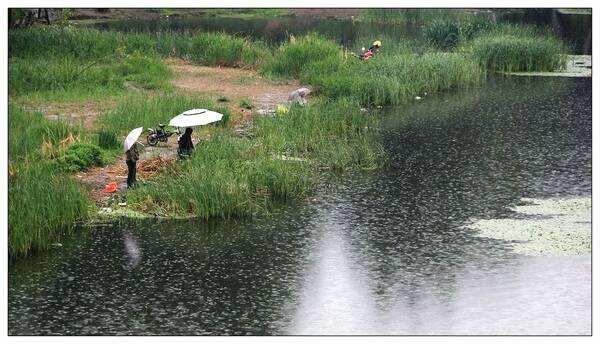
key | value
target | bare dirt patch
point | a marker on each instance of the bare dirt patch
(233, 83)
(78, 113)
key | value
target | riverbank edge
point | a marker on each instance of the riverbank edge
(168, 215)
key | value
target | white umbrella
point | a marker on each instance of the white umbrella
(132, 137)
(195, 117)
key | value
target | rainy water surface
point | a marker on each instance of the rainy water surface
(388, 252)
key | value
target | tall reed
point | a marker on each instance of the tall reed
(518, 51)
(230, 177)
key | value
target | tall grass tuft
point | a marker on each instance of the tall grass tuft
(443, 34)
(292, 56)
(42, 204)
(518, 50)
(230, 177)
(409, 15)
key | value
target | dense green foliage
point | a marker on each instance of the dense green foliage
(292, 57)
(42, 201)
(77, 43)
(231, 177)
(383, 80)
(43, 204)
(512, 52)
(80, 156)
(85, 78)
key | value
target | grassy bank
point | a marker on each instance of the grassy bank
(516, 49)
(499, 47)
(385, 80)
(204, 48)
(43, 201)
(230, 176)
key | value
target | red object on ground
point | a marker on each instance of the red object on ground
(110, 187)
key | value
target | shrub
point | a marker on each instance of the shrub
(80, 156)
(108, 139)
(293, 56)
(512, 53)
(29, 130)
(42, 204)
(444, 34)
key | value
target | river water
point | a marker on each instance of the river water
(387, 252)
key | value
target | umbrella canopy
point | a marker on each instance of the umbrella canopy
(194, 118)
(132, 138)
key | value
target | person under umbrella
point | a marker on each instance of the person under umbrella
(132, 155)
(188, 120)
(186, 146)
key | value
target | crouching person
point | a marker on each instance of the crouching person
(186, 146)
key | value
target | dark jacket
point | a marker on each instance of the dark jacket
(132, 153)
(185, 141)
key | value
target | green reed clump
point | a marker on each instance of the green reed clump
(42, 204)
(511, 52)
(447, 33)
(27, 131)
(392, 80)
(230, 177)
(79, 157)
(107, 139)
(148, 111)
(292, 56)
(409, 15)
(226, 177)
(86, 77)
(443, 34)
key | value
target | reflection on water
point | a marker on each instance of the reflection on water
(383, 253)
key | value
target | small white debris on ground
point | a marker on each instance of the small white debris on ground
(300, 95)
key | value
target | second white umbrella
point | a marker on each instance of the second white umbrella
(194, 118)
